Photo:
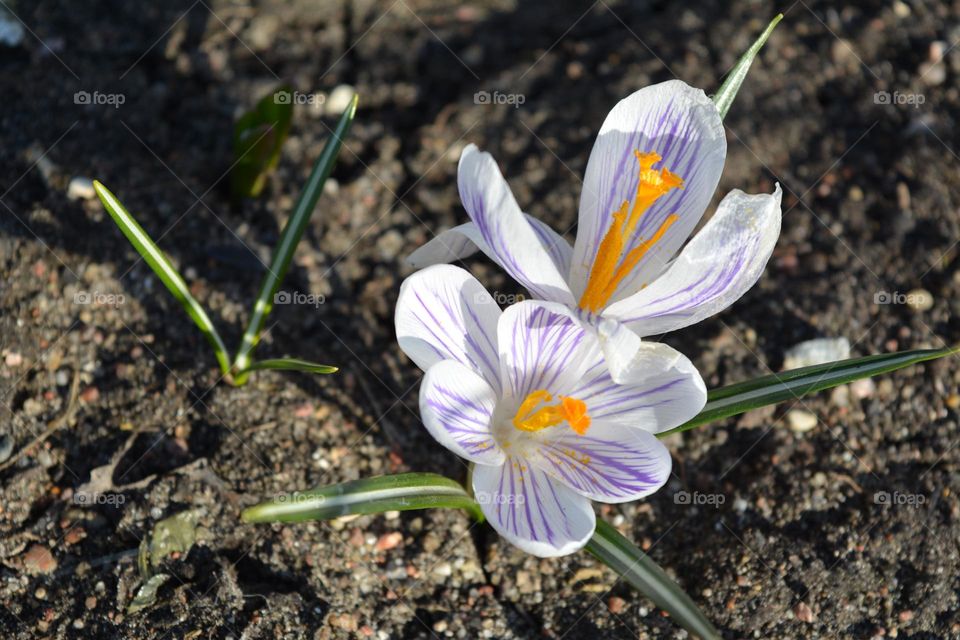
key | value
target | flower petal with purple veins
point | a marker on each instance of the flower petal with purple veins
(509, 239)
(652, 403)
(457, 407)
(532, 510)
(541, 348)
(712, 272)
(443, 313)
(681, 124)
(610, 463)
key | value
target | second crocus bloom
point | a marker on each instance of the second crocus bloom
(525, 395)
(653, 170)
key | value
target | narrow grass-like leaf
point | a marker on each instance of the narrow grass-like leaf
(289, 364)
(644, 575)
(728, 90)
(258, 136)
(403, 492)
(290, 238)
(169, 276)
(741, 397)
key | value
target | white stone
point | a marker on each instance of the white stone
(818, 351)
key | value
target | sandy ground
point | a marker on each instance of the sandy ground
(851, 108)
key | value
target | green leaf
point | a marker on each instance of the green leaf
(403, 492)
(794, 384)
(289, 239)
(290, 364)
(728, 90)
(643, 574)
(169, 276)
(258, 137)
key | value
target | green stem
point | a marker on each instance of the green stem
(289, 239)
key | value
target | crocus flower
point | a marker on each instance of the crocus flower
(525, 395)
(653, 170)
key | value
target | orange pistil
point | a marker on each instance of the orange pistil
(569, 410)
(611, 266)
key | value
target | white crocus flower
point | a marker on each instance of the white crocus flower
(653, 170)
(526, 396)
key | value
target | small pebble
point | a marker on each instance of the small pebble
(814, 352)
(920, 300)
(389, 541)
(90, 603)
(81, 189)
(953, 401)
(38, 559)
(616, 605)
(801, 421)
(863, 388)
(803, 612)
(6, 447)
(13, 359)
(338, 100)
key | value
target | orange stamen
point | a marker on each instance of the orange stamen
(569, 410)
(605, 275)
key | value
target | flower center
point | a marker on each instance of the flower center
(611, 266)
(569, 410)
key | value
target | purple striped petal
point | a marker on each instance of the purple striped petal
(532, 510)
(610, 463)
(464, 240)
(543, 346)
(457, 407)
(712, 272)
(661, 390)
(508, 238)
(443, 313)
(681, 124)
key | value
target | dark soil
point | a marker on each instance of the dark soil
(799, 547)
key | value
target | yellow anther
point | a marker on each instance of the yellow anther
(611, 266)
(569, 410)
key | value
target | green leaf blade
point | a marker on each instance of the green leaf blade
(402, 492)
(161, 266)
(728, 90)
(289, 364)
(644, 575)
(290, 238)
(258, 137)
(741, 397)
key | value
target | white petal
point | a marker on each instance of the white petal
(712, 272)
(681, 124)
(464, 240)
(661, 389)
(457, 407)
(543, 346)
(443, 313)
(448, 246)
(610, 463)
(532, 510)
(632, 360)
(508, 237)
